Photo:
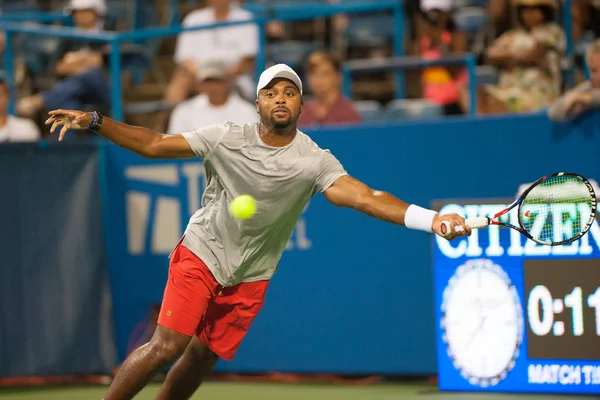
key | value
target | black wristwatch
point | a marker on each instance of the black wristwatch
(97, 121)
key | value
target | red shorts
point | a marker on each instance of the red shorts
(194, 303)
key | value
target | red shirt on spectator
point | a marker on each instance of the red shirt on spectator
(341, 112)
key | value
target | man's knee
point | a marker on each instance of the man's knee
(168, 345)
(210, 359)
(166, 351)
(202, 354)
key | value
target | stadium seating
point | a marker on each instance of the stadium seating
(470, 3)
(402, 109)
(291, 52)
(486, 74)
(470, 19)
(16, 6)
(374, 30)
(369, 110)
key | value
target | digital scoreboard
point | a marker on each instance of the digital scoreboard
(513, 315)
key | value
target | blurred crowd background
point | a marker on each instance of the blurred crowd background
(180, 83)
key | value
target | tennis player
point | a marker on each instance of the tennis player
(220, 270)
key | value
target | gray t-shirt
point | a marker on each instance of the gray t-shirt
(281, 179)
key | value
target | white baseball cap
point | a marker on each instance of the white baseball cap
(212, 69)
(99, 6)
(278, 71)
(442, 5)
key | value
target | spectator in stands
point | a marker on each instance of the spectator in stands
(329, 105)
(583, 97)
(529, 61)
(81, 69)
(585, 15)
(215, 104)
(236, 45)
(437, 37)
(14, 129)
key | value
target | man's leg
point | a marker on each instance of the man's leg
(188, 372)
(145, 362)
(189, 291)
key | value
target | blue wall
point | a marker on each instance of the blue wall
(53, 277)
(359, 298)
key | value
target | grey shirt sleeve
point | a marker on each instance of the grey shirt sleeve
(203, 141)
(557, 110)
(329, 170)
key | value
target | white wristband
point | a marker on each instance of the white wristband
(419, 218)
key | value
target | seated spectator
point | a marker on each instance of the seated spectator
(14, 129)
(437, 37)
(237, 46)
(329, 105)
(215, 104)
(81, 69)
(585, 15)
(529, 61)
(583, 97)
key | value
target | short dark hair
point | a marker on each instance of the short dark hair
(546, 10)
(319, 57)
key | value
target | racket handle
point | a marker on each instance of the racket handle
(478, 222)
(474, 223)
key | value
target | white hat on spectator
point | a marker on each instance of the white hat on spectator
(99, 6)
(278, 71)
(213, 69)
(442, 5)
(533, 3)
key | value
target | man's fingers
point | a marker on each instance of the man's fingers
(467, 230)
(457, 226)
(62, 133)
(65, 128)
(55, 125)
(63, 112)
(453, 229)
(461, 226)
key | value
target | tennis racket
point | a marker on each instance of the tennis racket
(554, 210)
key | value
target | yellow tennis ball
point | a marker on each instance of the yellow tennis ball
(243, 206)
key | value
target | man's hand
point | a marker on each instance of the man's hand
(577, 103)
(69, 119)
(457, 224)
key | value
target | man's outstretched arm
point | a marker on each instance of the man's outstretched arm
(140, 140)
(349, 192)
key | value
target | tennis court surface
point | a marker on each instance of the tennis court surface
(279, 391)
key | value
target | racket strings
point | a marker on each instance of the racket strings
(558, 209)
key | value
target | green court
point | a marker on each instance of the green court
(280, 391)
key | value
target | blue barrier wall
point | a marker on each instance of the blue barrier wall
(54, 293)
(353, 295)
